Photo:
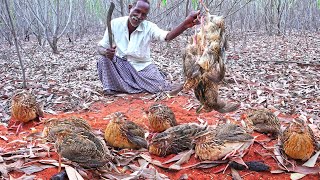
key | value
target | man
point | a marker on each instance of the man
(127, 67)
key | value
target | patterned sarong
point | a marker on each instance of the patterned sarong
(119, 76)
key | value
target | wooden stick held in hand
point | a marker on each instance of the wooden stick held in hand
(109, 15)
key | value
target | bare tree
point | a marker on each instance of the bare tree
(13, 31)
(51, 18)
(4, 25)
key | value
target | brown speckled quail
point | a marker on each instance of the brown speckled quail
(264, 121)
(191, 69)
(161, 117)
(207, 93)
(24, 107)
(75, 124)
(82, 147)
(122, 133)
(298, 141)
(228, 140)
(205, 53)
(175, 139)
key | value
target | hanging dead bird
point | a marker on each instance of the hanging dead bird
(207, 93)
(213, 43)
(83, 147)
(229, 140)
(161, 117)
(25, 108)
(264, 121)
(122, 133)
(298, 141)
(175, 139)
(191, 69)
(203, 65)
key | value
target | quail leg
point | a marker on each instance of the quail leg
(59, 168)
(19, 127)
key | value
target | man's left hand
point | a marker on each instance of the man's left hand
(192, 19)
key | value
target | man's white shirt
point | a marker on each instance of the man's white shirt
(137, 49)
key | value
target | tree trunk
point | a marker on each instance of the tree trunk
(54, 45)
(278, 17)
(13, 31)
(121, 8)
(187, 8)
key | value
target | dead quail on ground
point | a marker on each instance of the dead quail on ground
(264, 121)
(24, 107)
(122, 133)
(82, 147)
(228, 140)
(175, 139)
(161, 117)
(298, 141)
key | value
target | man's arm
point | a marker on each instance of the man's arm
(107, 52)
(189, 22)
(101, 50)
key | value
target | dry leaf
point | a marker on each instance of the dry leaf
(4, 138)
(235, 174)
(310, 163)
(185, 158)
(34, 168)
(73, 174)
(179, 156)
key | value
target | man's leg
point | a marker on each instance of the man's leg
(114, 77)
(152, 80)
(120, 76)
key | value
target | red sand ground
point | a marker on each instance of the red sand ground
(134, 107)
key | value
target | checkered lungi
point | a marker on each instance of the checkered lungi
(119, 76)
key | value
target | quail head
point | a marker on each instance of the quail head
(161, 117)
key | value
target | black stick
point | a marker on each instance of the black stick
(109, 15)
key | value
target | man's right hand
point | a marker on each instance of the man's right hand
(107, 52)
(110, 52)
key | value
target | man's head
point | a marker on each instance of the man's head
(138, 12)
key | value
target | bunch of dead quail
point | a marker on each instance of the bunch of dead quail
(203, 64)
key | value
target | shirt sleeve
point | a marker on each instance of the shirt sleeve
(157, 33)
(104, 42)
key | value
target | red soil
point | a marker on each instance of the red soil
(134, 108)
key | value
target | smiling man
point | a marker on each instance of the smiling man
(127, 66)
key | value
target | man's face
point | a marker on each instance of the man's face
(138, 13)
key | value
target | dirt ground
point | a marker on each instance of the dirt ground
(134, 106)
